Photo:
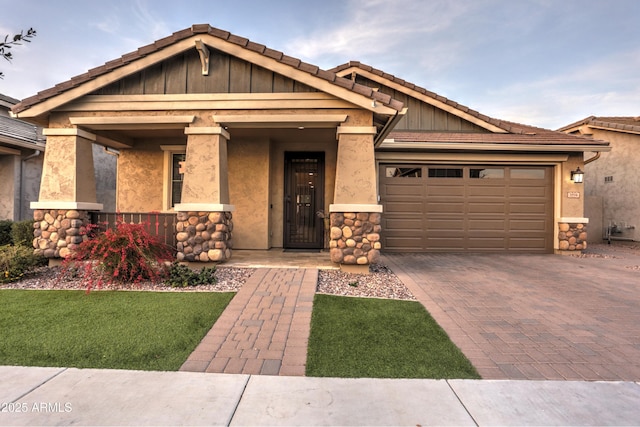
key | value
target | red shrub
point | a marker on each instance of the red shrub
(126, 254)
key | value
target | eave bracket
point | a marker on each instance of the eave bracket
(203, 51)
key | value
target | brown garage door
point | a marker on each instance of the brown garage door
(467, 208)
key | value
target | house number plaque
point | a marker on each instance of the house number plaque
(573, 194)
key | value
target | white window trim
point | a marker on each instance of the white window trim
(169, 151)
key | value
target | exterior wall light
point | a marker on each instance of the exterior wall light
(577, 176)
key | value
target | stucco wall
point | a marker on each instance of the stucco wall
(8, 166)
(621, 194)
(248, 163)
(140, 178)
(31, 175)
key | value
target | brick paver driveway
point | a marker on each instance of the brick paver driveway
(535, 316)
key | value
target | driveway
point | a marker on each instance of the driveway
(537, 317)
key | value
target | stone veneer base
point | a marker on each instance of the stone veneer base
(354, 237)
(204, 236)
(58, 231)
(572, 236)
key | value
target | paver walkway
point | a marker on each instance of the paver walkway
(534, 317)
(264, 329)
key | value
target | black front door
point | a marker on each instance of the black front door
(303, 199)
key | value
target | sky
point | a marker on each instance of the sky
(545, 63)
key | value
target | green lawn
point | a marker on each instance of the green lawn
(373, 338)
(105, 329)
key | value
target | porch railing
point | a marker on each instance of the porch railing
(161, 225)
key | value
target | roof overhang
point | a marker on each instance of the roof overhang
(391, 145)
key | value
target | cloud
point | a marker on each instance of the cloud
(378, 28)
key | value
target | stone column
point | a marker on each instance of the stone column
(67, 191)
(355, 214)
(204, 226)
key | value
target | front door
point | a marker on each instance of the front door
(303, 199)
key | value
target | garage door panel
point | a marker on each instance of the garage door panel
(485, 191)
(487, 224)
(404, 206)
(488, 208)
(403, 224)
(448, 243)
(527, 208)
(533, 191)
(445, 190)
(444, 207)
(404, 190)
(527, 225)
(487, 243)
(444, 224)
(528, 243)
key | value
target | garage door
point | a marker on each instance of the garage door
(429, 208)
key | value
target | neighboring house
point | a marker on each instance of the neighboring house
(611, 179)
(253, 149)
(21, 155)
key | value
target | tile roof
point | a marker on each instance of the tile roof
(628, 124)
(17, 130)
(540, 137)
(224, 35)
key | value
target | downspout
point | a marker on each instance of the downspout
(35, 153)
(593, 159)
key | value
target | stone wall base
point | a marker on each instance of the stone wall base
(58, 231)
(572, 236)
(354, 238)
(204, 236)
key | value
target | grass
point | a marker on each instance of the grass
(373, 338)
(105, 329)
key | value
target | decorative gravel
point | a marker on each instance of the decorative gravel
(380, 283)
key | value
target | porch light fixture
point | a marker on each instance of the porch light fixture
(577, 176)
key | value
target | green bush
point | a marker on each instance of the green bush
(181, 276)
(5, 232)
(22, 233)
(16, 261)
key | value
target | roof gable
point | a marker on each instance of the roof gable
(222, 41)
(353, 68)
(614, 124)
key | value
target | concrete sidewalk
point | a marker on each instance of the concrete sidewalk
(60, 396)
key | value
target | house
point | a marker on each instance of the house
(613, 199)
(21, 155)
(254, 149)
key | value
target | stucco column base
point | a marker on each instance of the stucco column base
(204, 236)
(354, 238)
(572, 235)
(57, 232)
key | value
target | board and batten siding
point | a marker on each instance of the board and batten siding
(421, 115)
(183, 74)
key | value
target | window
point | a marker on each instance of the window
(177, 175)
(392, 172)
(445, 172)
(174, 158)
(487, 173)
(527, 173)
